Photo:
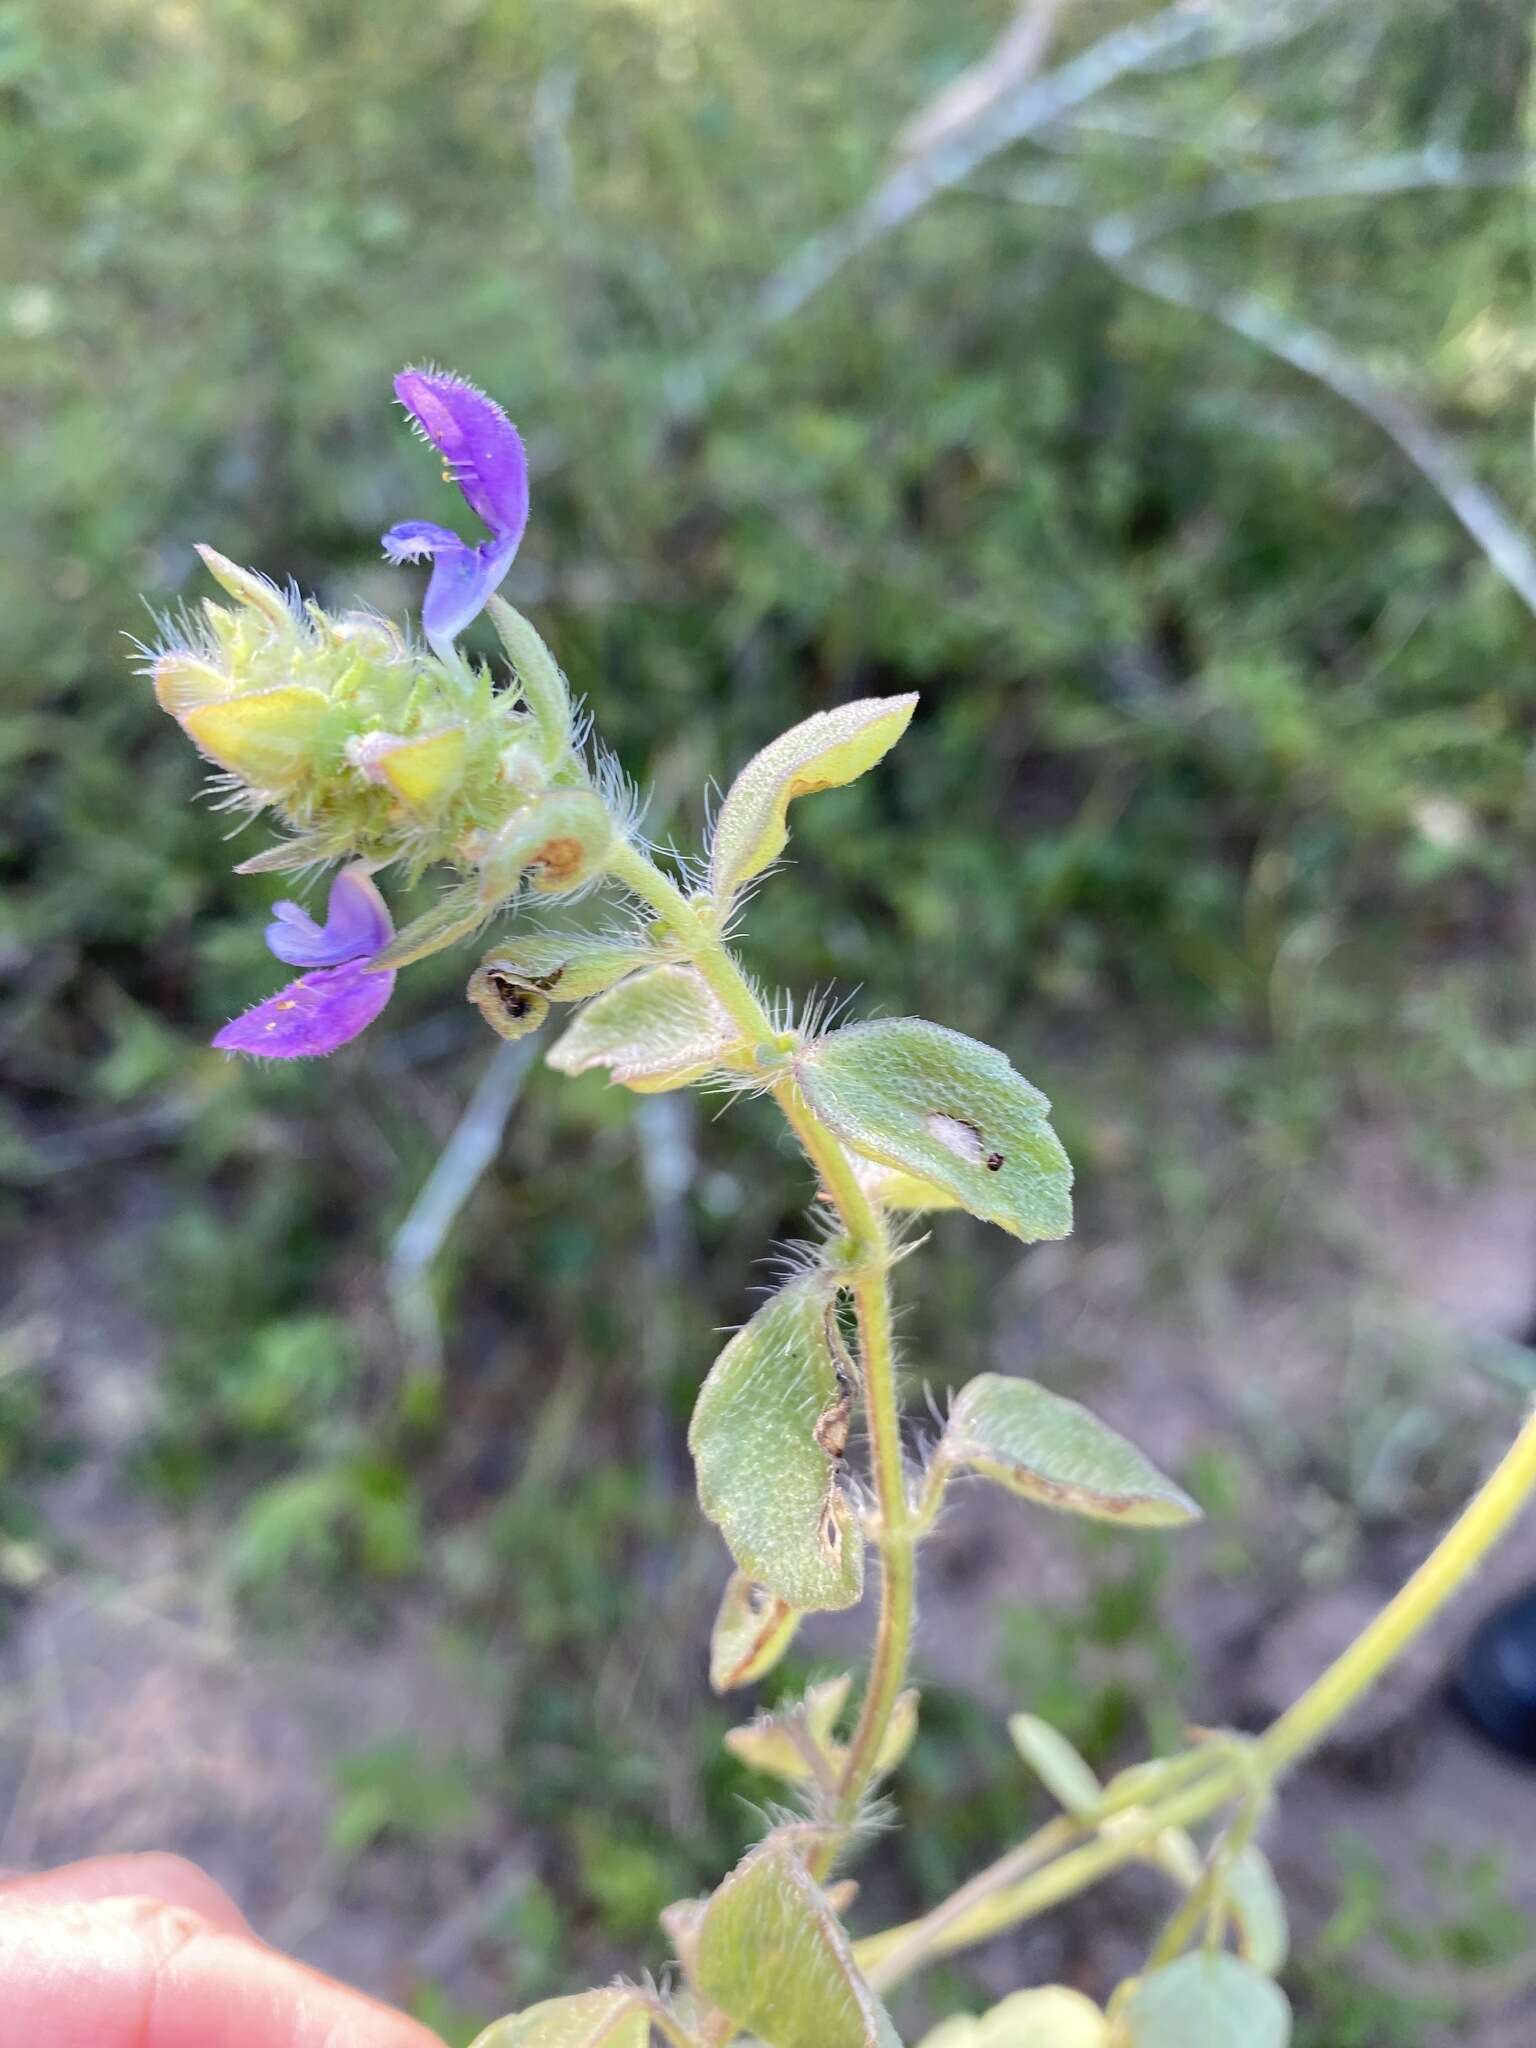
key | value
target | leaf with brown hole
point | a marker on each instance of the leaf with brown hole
(943, 1110)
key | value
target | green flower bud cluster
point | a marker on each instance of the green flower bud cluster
(368, 748)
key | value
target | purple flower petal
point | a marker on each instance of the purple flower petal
(414, 539)
(357, 924)
(462, 579)
(311, 1016)
(479, 444)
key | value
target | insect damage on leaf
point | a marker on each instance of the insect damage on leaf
(752, 1630)
(768, 1436)
(963, 1139)
(834, 1423)
(947, 1116)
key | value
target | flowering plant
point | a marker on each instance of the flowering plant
(377, 753)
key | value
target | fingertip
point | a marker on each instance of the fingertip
(153, 1874)
(139, 1972)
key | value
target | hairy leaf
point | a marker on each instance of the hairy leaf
(1208, 1998)
(771, 1954)
(654, 1031)
(752, 1631)
(616, 2018)
(825, 751)
(1058, 1766)
(1052, 2017)
(947, 1110)
(763, 1477)
(900, 1731)
(1054, 1451)
(543, 686)
(785, 1743)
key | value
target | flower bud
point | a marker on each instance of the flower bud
(249, 588)
(266, 737)
(183, 681)
(365, 633)
(562, 838)
(423, 772)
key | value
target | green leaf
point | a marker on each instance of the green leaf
(763, 1478)
(772, 1956)
(1210, 1999)
(770, 1742)
(1052, 2017)
(544, 688)
(825, 751)
(1064, 1774)
(778, 1743)
(752, 1631)
(655, 1031)
(900, 1731)
(947, 1109)
(517, 981)
(617, 2018)
(1052, 1450)
(1258, 1907)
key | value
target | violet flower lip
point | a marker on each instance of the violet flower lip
(337, 997)
(483, 454)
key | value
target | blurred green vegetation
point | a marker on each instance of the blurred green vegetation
(1224, 742)
(1377, 1979)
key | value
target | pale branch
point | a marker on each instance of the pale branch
(1184, 34)
(1416, 170)
(1129, 121)
(474, 1143)
(1012, 60)
(1506, 546)
(1119, 241)
(1181, 34)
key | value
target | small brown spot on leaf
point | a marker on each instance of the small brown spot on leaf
(560, 860)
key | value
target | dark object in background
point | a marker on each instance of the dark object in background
(1495, 1683)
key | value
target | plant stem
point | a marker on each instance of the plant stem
(903, 1949)
(893, 1537)
(869, 1261)
(1452, 1561)
(996, 1901)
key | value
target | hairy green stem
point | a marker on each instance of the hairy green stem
(869, 1260)
(893, 1539)
(993, 1899)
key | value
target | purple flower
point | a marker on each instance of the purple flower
(483, 454)
(338, 997)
